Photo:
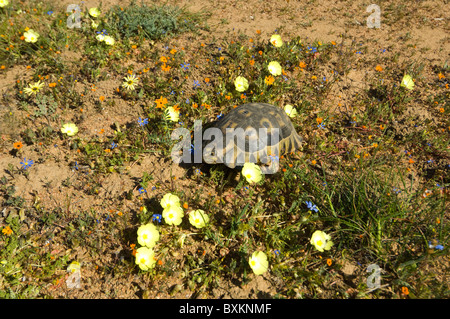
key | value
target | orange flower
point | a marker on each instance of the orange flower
(405, 290)
(101, 98)
(165, 67)
(252, 62)
(319, 120)
(52, 85)
(194, 105)
(185, 205)
(269, 80)
(163, 59)
(302, 65)
(18, 145)
(329, 261)
(441, 110)
(173, 51)
(441, 76)
(161, 102)
(207, 80)
(378, 68)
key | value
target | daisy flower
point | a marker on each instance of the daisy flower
(130, 82)
(34, 88)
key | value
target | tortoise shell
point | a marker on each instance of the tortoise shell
(254, 132)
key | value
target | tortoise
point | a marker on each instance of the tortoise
(253, 132)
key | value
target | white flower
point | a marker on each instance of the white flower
(70, 129)
(407, 82)
(148, 235)
(274, 68)
(173, 215)
(198, 218)
(31, 36)
(100, 37)
(172, 114)
(321, 241)
(170, 200)
(94, 25)
(276, 40)
(290, 110)
(241, 84)
(258, 262)
(130, 82)
(109, 40)
(252, 172)
(94, 12)
(145, 258)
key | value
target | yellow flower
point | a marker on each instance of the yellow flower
(4, 3)
(173, 215)
(145, 258)
(198, 218)
(258, 262)
(109, 40)
(130, 82)
(407, 82)
(172, 114)
(34, 88)
(147, 235)
(70, 129)
(252, 172)
(31, 36)
(94, 12)
(274, 68)
(276, 40)
(94, 25)
(170, 200)
(290, 110)
(241, 84)
(100, 37)
(321, 241)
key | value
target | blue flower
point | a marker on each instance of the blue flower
(142, 122)
(312, 49)
(439, 247)
(142, 190)
(276, 252)
(49, 13)
(26, 164)
(220, 116)
(311, 206)
(185, 66)
(156, 217)
(113, 145)
(196, 84)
